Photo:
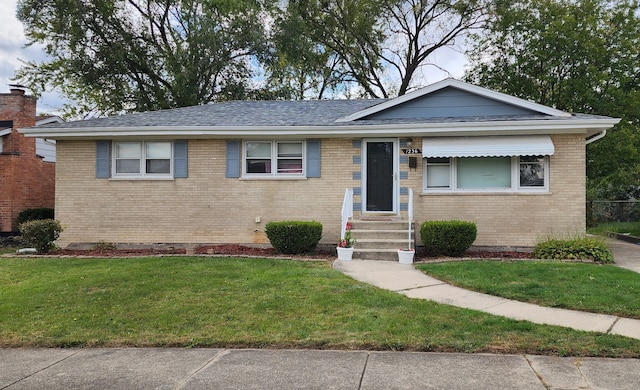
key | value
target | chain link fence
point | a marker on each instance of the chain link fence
(602, 211)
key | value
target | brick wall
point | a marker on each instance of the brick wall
(518, 219)
(206, 207)
(25, 180)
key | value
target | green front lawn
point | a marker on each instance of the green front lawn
(594, 288)
(223, 302)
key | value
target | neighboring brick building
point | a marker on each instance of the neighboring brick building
(26, 179)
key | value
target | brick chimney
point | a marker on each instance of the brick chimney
(21, 109)
(25, 180)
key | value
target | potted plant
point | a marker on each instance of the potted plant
(345, 246)
(405, 256)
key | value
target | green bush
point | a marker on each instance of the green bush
(40, 233)
(581, 248)
(294, 237)
(104, 246)
(449, 238)
(35, 213)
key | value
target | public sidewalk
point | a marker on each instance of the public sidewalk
(179, 368)
(405, 279)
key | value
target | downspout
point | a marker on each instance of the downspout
(596, 137)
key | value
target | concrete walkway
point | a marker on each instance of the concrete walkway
(204, 368)
(405, 279)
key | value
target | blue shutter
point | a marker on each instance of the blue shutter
(313, 158)
(233, 159)
(102, 159)
(180, 159)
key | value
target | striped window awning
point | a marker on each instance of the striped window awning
(489, 146)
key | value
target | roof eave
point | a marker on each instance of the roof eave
(548, 126)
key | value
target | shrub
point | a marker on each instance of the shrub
(294, 237)
(103, 246)
(41, 233)
(581, 248)
(35, 213)
(449, 238)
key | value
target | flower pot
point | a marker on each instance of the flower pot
(405, 256)
(345, 253)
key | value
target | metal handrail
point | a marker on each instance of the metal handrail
(347, 211)
(410, 213)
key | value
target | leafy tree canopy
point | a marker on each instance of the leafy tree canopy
(379, 45)
(110, 56)
(578, 56)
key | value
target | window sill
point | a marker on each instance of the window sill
(485, 193)
(268, 178)
(141, 178)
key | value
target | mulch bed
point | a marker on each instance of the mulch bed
(499, 255)
(220, 250)
(249, 251)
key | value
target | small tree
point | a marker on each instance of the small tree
(41, 233)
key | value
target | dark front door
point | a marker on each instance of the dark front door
(380, 176)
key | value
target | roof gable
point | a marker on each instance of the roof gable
(453, 99)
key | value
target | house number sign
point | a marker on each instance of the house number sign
(411, 151)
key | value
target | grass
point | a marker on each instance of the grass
(259, 303)
(594, 288)
(632, 228)
(4, 250)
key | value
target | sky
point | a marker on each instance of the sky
(12, 51)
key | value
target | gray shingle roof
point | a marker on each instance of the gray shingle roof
(236, 113)
(329, 118)
(273, 114)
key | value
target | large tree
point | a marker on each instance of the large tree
(378, 45)
(112, 56)
(578, 56)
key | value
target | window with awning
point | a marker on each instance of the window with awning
(489, 146)
(516, 163)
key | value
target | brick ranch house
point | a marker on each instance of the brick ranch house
(27, 165)
(217, 173)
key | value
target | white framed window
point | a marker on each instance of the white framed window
(274, 159)
(532, 172)
(437, 173)
(486, 174)
(148, 159)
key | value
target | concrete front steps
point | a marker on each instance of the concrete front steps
(380, 239)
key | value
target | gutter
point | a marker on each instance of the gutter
(351, 130)
(595, 137)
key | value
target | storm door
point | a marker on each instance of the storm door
(380, 175)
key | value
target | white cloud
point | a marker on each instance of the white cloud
(12, 50)
(11, 41)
